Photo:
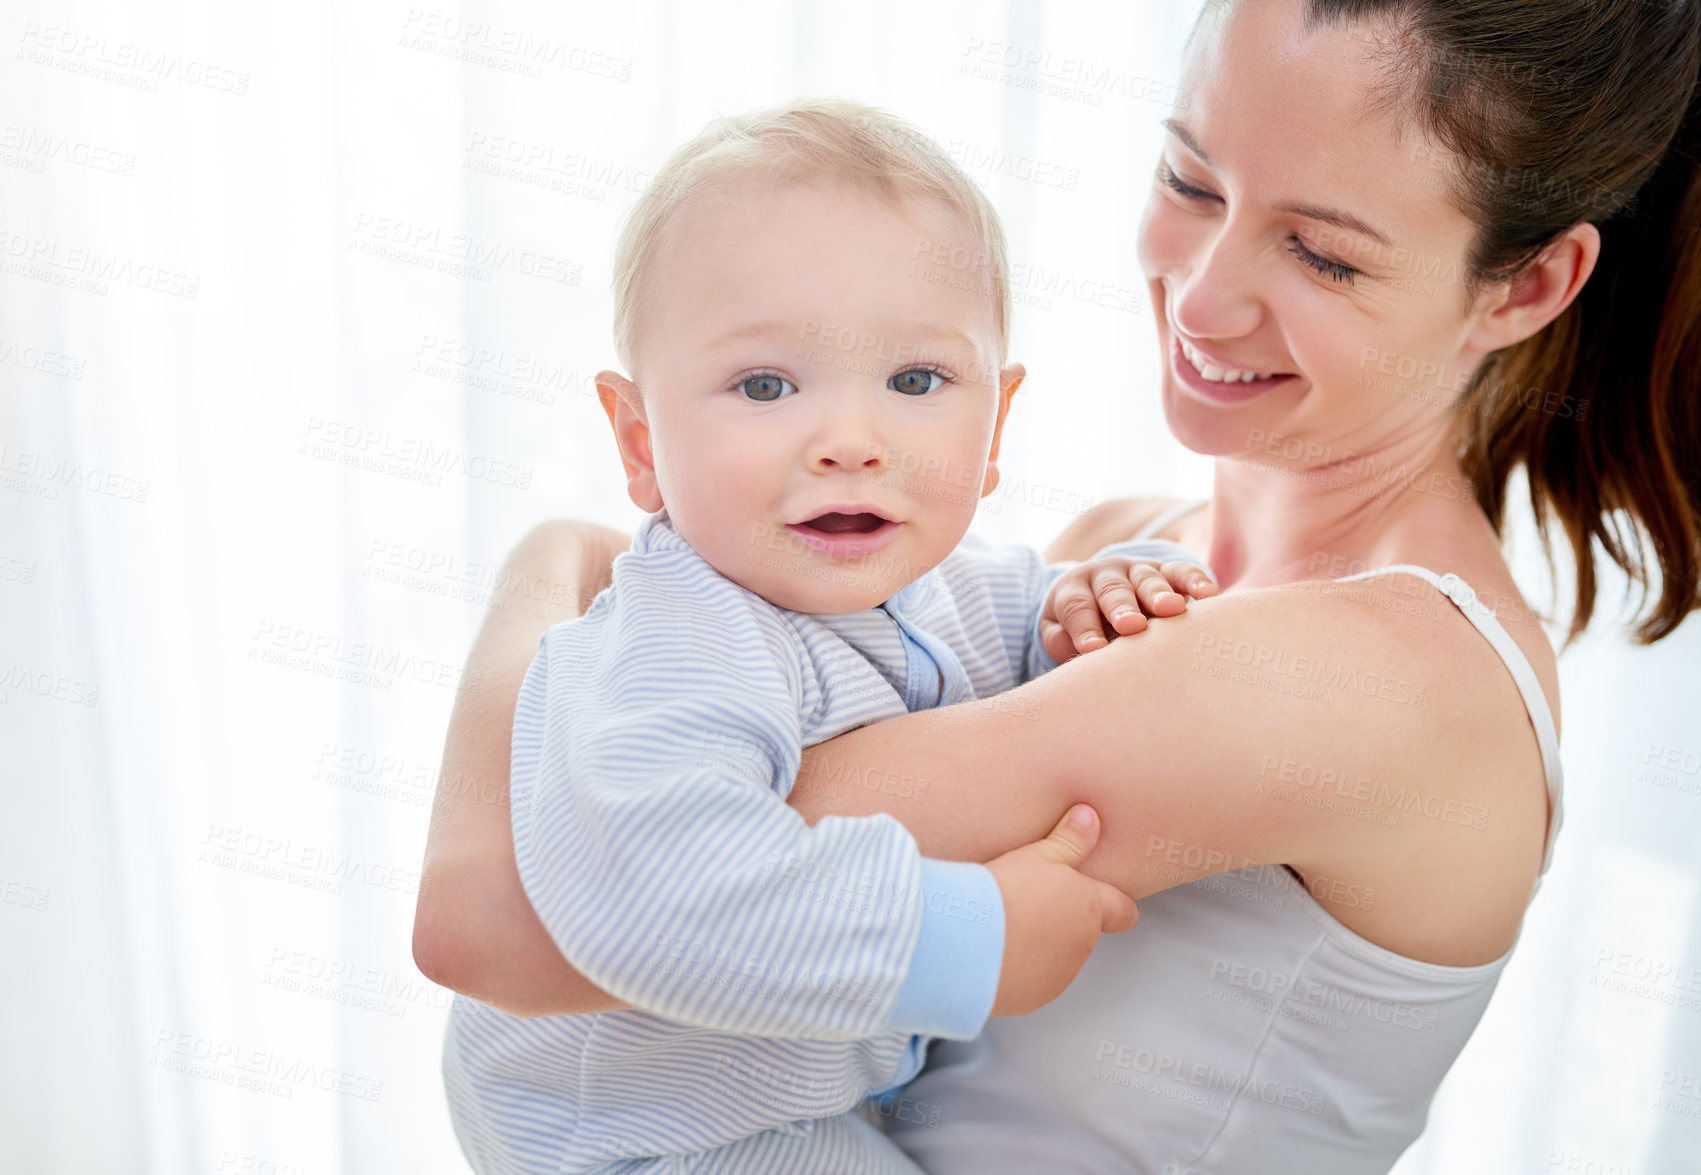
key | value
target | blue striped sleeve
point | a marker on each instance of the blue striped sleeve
(1153, 551)
(1008, 582)
(650, 737)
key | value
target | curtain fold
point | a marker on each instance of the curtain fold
(300, 314)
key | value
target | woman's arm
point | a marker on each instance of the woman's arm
(1178, 737)
(474, 929)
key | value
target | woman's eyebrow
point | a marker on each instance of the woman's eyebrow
(1175, 128)
(1334, 216)
(1337, 218)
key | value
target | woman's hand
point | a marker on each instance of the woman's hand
(474, 929)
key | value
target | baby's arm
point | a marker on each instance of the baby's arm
(653, 743)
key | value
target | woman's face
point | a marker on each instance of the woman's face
(1301, 234)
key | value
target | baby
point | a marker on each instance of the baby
(812, 305)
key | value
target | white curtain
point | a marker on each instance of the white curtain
(299, 311)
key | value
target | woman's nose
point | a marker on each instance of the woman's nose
(1216, 293)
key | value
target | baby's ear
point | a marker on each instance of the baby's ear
(624, 404)
(1009, 380)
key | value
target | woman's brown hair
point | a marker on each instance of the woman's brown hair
(1562, 112)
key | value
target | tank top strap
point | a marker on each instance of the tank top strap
(1523, 674)
(1165, 517)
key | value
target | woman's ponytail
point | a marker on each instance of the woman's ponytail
(1611, 439)
(1562, 114)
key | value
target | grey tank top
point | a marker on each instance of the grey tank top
(1239, 1029)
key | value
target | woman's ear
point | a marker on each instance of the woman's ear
(1008, 381)
(624, 404)
(1519, 308)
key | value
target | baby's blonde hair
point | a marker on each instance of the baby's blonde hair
(810, 138)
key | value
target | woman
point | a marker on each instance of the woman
(1395, 250)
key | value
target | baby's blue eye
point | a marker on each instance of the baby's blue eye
(767, 388)
(917, 381)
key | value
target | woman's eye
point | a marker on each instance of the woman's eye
(767, 387)
(917, 381)
(1176, 183)
(1333, 270)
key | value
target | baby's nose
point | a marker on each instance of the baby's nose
(869, 457)
(850, 444)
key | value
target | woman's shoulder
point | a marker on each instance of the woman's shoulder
(1407, 624)
(1110, 521)
(1395, 630)
(1443, 749)
(1436, 620)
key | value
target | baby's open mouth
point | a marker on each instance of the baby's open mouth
(832, 523)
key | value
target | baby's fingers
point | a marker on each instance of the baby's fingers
(1070, 622)
(1156, 596)
(1189, 580)
(1115, 589)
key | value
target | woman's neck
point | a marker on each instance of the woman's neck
(1273, 523)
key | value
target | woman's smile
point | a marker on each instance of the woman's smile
(1210, 382)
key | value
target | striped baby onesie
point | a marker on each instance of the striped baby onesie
(784, 971)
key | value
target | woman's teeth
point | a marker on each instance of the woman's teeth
(1215, 374)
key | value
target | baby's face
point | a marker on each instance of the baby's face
(820, 388)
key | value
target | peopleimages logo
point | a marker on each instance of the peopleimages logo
(42, 476)
(1117, 1064)
(457, 254)
(33, 149)
(308, 866)
(124, 62)
(61, 687)
(410, 457)
(87, 269)
(261, 1070)
(511, 50)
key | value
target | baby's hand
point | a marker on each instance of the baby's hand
(1125, 591)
